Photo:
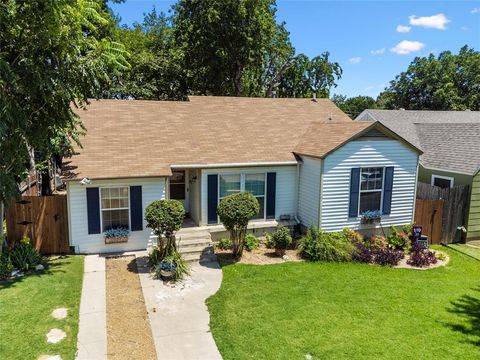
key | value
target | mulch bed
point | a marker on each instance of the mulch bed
(260, 256)
(128, 330)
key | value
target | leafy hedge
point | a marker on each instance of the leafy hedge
(318, 245)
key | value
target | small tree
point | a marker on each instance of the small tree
(165, 217)
(235, 211)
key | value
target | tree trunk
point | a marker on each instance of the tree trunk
(46, 182)
(237, 80)
(1, 227)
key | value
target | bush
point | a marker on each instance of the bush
(387, 256)
(398, 241)
(235, 211)
(165, 217)
(323, 246)
(419, 256)
(280, 238)
(374, 250)
(224, 244)
(24, 256)
(6, 266)
(268, 241)
(352, 236)
(251, 242)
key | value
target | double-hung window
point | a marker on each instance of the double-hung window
(371, 189)
(114, 207)
(229, 184)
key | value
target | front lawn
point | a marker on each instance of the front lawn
(26, 305)
(472, 251)
(348, 311)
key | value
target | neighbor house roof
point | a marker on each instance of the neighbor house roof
(136, 138)
(449, 139)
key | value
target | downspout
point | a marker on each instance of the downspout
(415, 192)
(320, 200)
(297, 194)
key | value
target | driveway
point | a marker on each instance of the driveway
(178, 315)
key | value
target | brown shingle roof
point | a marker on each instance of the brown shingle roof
(143, 138)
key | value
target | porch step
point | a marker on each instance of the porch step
(186, 236)
(195, 245)
(200, 258)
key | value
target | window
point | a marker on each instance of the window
(228, 184)
(177, 185)
(442, 181)
(255, 183)
(371, 187)
(114, 207)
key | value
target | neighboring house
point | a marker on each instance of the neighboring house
(450, 141)
(304, 160)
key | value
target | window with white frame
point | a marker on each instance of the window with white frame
(229, 184)
(371, 189)
(442, 181)
(114, 207)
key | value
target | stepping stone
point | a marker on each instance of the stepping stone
(60, 313)
(50, 357)
(55, 335)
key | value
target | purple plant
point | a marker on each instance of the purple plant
(362, 253)
(388, 256)
(376, 254)
(420, 256)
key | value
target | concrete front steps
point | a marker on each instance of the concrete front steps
(195, 244)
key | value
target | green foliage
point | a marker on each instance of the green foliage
(53, 58)
(24, 256)
(224, 244)
(179, 264)
(6, 266)
(398, 240)
(251, 242)
(355, 105)
(447, 82)
(281, 238)
(235, 211)
(317, 245)
(352, 236)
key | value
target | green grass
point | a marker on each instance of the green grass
(26, 305)
(348, 311)
(468, 250)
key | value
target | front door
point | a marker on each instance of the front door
(178, 187)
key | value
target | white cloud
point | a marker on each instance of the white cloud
(355, 60)
(475, 10)
(403, 29)
(438, 21)
(377, 52)
(406, 47)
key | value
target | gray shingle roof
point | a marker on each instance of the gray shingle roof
(450, 139)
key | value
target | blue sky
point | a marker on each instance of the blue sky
(363, 35)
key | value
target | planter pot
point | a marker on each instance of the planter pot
(116, 240)
(166, 275)
(370, 221)
(280, 252)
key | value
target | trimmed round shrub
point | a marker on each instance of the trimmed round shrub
(251, 242)
(317, 245)
(281, 238)
(235, 211)
(165, 217)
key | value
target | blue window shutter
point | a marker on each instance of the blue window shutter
(136, 208)
(212, 194)
(354, 192)
(271, 191)
(93, 210)
(387, 192)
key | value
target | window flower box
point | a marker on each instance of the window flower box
(371, 217)
(116, 235)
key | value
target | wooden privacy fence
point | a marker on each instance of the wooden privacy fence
(453, 213)
(44, 219)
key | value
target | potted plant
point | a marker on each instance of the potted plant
(281, 240)
(371, 217)
(166, 268)
(116, 235)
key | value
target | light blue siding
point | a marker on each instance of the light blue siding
(309, 191)
(152, 189)
(363, 153)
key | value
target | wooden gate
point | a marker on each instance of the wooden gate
(455, 208)
(429, 214)
(44, 219)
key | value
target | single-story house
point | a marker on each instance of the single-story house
(450, 141)
(303, 159)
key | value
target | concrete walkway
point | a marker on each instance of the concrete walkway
(178, 314)
(92, 332)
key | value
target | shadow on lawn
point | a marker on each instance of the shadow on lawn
(468, 307)
(51, 267)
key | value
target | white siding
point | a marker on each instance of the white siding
(285, 201)
(309, 191)
(152, 189)
(363, 153)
